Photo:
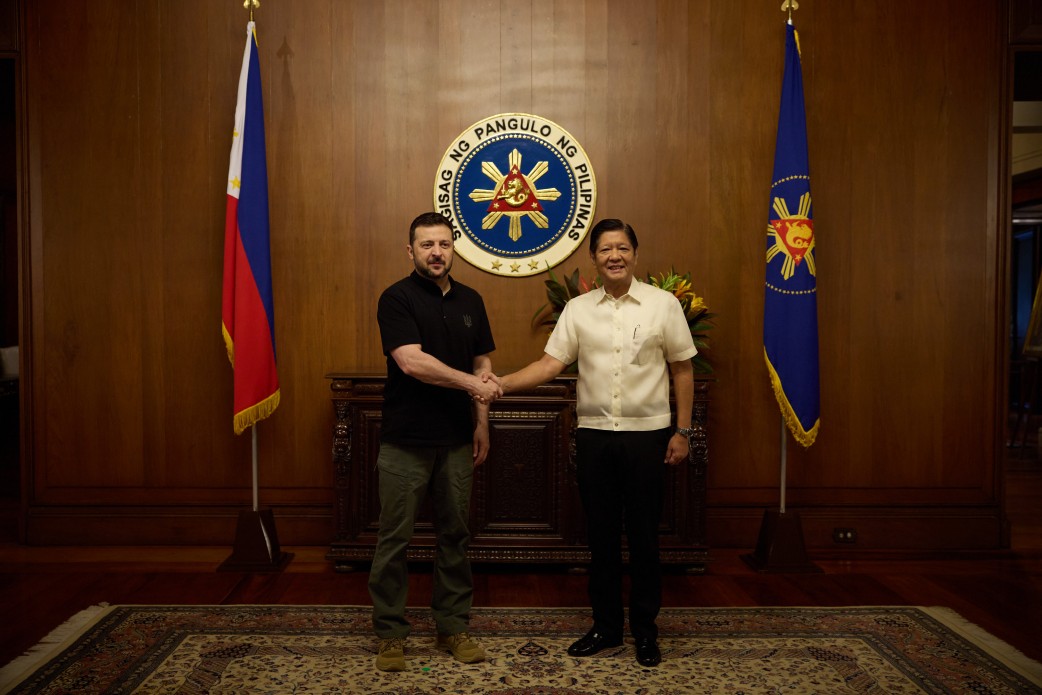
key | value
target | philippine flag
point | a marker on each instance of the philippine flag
(247, 312)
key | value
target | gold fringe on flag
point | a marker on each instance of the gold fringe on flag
(229, 344)
(255, 413)
(804, 437)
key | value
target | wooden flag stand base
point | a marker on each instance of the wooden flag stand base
(256, 545)
(780, 548)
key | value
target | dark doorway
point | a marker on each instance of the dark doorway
(1025, 270)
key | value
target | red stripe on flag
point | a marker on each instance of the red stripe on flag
(256, 380)
(247, 307)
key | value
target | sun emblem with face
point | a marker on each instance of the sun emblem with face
(793, 235)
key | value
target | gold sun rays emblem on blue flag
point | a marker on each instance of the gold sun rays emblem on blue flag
(793, 236)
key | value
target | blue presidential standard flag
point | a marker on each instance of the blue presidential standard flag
(790, 310)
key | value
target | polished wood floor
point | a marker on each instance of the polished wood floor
(999, 591)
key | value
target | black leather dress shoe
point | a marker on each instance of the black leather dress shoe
(592, 643)
(647, 652)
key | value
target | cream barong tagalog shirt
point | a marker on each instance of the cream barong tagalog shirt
(623, 346)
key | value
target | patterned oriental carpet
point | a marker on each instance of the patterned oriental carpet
(330, 649)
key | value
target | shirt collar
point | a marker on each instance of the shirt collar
(431, 286)
(636, 292)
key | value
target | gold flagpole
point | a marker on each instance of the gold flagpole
(256, 3)
(787, 6)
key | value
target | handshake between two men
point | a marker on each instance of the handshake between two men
(486, 388)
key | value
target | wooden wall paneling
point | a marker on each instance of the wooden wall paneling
(155, 260)
(742, 126)
(597, 94)
(188, 438)
(382, 218)
(129, 111)
(345, 322)
(672, 147)
(928, 291)
(630, 116)
(448, 119)
(882, 196)
(692, 117)
(371, 240)
(542, 47)
(101, 422)
(562, 68)
(871, 317)
(933, 296)
(412, 47)
(973, 384)
(297, 58)
(942, 420)
(516, 60)
(833, 92)
(889, 279)
(481, 58)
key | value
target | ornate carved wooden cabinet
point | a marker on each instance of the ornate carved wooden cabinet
(525, 506)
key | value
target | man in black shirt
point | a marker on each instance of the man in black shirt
(437, 339)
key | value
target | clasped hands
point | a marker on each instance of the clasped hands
(486, 388)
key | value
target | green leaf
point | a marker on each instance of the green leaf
(700, 365)
(573, 284)
(557, 295)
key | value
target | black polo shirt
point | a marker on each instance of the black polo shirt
(453, 328)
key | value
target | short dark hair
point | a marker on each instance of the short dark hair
(611, 225)
(428, 219)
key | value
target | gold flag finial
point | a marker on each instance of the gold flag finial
(251, 4)
(787, 6)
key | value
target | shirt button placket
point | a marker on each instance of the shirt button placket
(616, 382)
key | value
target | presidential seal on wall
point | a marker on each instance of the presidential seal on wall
(519, 191)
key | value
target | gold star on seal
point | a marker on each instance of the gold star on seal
(496, 265)
(515, 267)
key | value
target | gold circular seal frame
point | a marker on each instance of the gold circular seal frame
(520, 194)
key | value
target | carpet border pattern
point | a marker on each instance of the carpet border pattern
(116, 649)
